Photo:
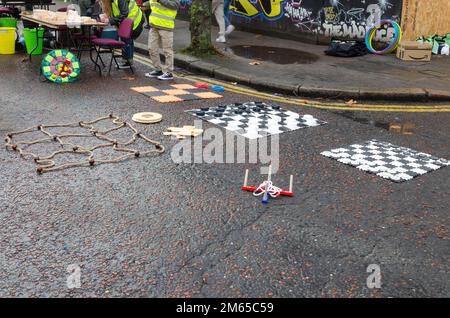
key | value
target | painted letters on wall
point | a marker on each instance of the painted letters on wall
(342, 18)
(268, 9)
(328, 18)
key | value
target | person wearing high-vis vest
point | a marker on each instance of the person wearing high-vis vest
(162, 22)
(117, 11)
(146, 9)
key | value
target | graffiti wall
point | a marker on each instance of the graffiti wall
(312, 19)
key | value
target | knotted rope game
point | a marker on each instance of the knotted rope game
(47, 163)
(272, 190)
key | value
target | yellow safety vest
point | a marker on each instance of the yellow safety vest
(134, 12)
(161, 16)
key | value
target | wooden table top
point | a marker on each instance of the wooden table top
(58, 25)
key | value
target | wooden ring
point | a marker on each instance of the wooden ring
(147, 118)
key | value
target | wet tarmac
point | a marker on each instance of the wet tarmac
(275, 55)
(396, 126)
(152, 227)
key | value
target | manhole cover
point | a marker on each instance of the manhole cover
(273, 54)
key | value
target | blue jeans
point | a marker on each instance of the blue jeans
(226, 11)
(128, 49)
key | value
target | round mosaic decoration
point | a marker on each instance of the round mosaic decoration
(60, 66)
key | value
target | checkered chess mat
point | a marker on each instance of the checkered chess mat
(175, 93)
(255, 119)
(386, 160)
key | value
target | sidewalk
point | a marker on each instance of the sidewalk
(368, 77)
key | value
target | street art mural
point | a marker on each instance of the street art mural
(184, 5)
(341, 18)
(266, 9)
(300, 16)
(327, 18)
(338, 19)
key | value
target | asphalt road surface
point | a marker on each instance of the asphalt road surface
(149, 227)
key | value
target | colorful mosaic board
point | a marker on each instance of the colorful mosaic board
(60, 66)
(175, 93)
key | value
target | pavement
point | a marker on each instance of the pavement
(370, 77)
(151, 227)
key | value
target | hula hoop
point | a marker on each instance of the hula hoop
(394, 43)
(60, 66)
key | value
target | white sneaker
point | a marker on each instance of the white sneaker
(154, 74)
(221, 39)
(229, 29)
(167, 76)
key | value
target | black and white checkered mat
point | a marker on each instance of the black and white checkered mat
(387, 160)
(255, 119)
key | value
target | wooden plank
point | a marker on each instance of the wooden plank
(425, 18)
(57, 25)
(42, 22)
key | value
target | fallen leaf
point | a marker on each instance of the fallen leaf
(255, 63)
(351, 102)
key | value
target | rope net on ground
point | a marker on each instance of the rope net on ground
(47, 163)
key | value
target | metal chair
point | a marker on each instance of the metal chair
(102, 45)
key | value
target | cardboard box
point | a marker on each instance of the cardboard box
(414, 51)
